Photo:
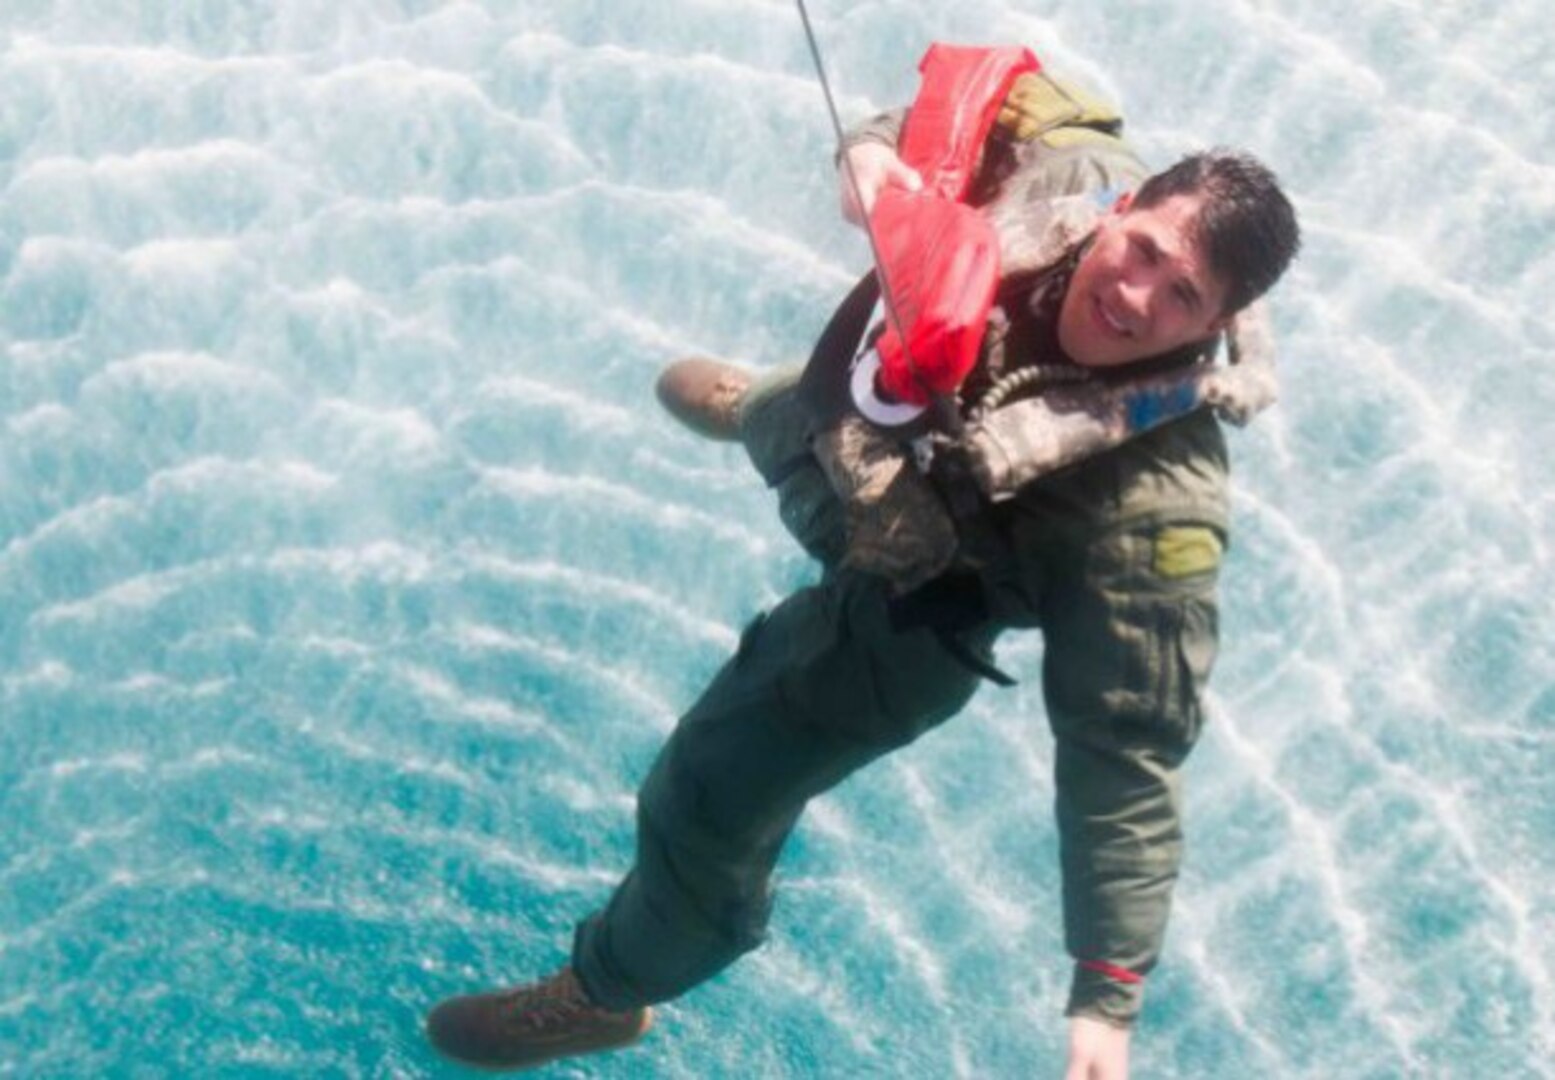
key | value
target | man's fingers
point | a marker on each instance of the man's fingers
(903, 175)
(874, 167)
(1097, 1051)
(889, 172)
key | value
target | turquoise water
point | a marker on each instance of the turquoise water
(349, 578)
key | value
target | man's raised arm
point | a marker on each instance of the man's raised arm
(870, 150)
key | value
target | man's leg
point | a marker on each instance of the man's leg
(704, 395)
(818, 687)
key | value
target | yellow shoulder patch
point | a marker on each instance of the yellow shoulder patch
(1038, 104)
(1063, 137)
(1184, 550)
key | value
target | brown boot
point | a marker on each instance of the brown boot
(531, 1025)
(705, 395)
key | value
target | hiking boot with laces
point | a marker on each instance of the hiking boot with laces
(531, 1025)
(705, 396)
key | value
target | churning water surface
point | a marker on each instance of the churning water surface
(349, 577)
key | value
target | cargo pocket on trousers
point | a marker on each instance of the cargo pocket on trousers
(811, 512)
(775, 432)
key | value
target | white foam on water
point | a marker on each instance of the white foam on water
(1192, 934)
(440, 691)
(106, 516)
(64, 770)
(494, 852)
(141, 593)
(375, 433)
(220, 187)
(214, 758)
(586, 799)
(403, 761)
(625, 502)
(173, 371)
(381, 560)
(1009, 915)
(574, 663)
(595, 416)
(895, 924)
(598, 588)
(854, 1022)
(1317, 852)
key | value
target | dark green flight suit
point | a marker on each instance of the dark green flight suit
(1115, 559)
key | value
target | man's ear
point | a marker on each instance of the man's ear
(1123, 202)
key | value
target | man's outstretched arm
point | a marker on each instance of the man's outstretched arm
(1125, 593)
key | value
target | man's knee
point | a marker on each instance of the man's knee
(775, 429)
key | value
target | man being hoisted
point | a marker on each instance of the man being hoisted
(944, 261)
(1074, 479)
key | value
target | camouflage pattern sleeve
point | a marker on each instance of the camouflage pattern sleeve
(884, 128)
(1249, 384)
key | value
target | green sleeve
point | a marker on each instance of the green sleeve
(1129, 643)
(1118, 562)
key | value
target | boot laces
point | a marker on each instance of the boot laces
(550, 1003)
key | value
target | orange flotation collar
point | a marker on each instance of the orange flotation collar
(940, 257)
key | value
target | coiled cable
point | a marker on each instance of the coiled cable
(1032, 376)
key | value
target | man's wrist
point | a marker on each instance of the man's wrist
(884, 129)
(1100, 995)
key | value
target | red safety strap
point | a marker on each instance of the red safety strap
(962, 91)
(1123, 975)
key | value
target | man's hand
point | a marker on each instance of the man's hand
(875, 167)
(1097, 1050)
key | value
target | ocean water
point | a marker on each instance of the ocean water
(349, 577)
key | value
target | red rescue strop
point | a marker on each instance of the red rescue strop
(940, 257)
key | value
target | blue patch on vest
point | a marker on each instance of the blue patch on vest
(1152, 407)
(1106, 196)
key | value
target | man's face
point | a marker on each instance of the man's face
(1142, 288)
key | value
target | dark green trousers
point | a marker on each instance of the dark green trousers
(819, 686)
(1115, 560)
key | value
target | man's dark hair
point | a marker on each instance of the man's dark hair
(1246, 226)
